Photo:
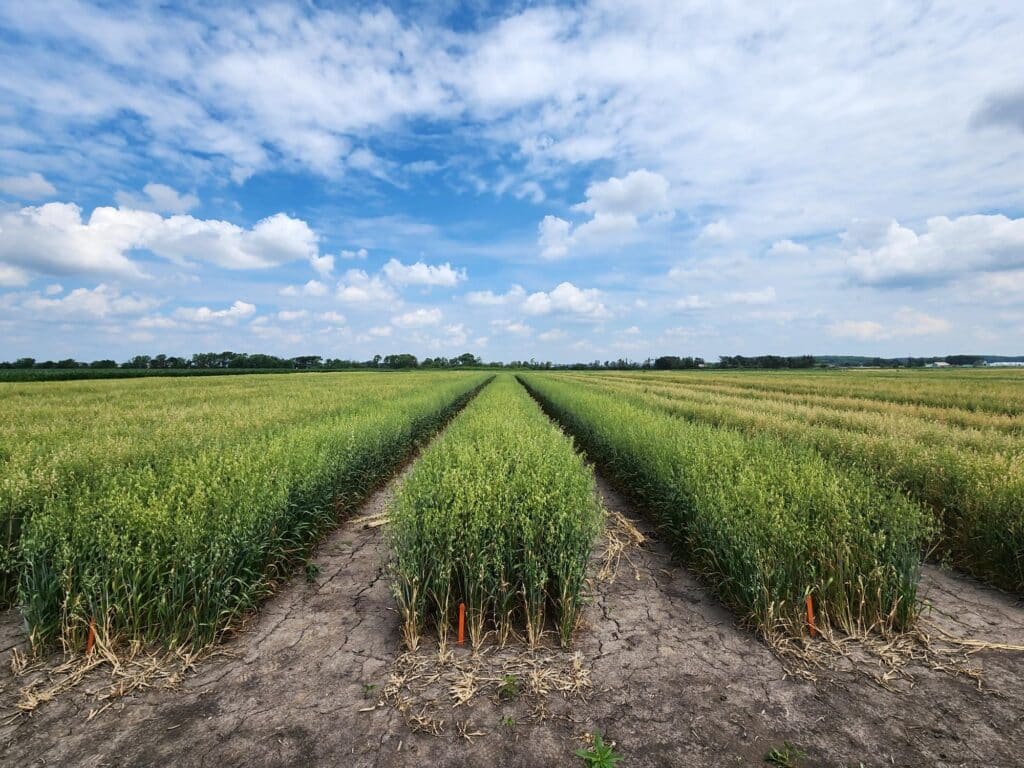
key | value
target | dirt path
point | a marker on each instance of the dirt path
(675, 683)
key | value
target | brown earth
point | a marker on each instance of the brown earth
(675, 682)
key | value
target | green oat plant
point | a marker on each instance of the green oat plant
(171, 537)
(972, 477)
(500, 514)
(767, 522)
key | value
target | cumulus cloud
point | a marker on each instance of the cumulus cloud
(905, 322)
(638, 193)
(616, 207)
(229, 316)
(418, 318)
(716, 232)
(54, 239)
(514, 295)
(423, 274)
(360, 254)
(291, 315)
(888, 254)
(12, 276)
(83, 304)
(567, 298)
(311, 288)
(30, 187)
(513, 327)
(335, 318)
(159, 198)
(553, 237)
(322, 265)
(357, 287)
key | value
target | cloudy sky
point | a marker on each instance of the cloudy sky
(565, 182)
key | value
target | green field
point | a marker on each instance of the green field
(165, 509)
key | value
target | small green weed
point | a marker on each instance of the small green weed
(786, 756)
(600, 755)
(509, 688)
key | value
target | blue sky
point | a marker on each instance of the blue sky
(568, 182)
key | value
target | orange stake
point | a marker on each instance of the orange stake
(462, 623)
(810, 616)
(91, 640)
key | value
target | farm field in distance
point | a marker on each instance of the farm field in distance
(780, 536)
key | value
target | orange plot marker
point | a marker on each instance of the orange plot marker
(810, 616)
(462, 623)
(91, 640)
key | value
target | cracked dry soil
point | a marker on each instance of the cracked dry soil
(676, 683)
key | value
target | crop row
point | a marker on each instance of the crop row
(499, 514)
(981, 391)
(60, 440)
(768, 522)
(978, 495)
(175, 548)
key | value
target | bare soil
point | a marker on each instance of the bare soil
(675, 682)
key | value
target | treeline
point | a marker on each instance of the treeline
(205, 361)
(766, 361)
(906, 362)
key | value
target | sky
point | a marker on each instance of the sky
(564, 182)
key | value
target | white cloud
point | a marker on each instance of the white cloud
(513, 327)
(418, 318)
(787, 248)
(158, 322)
(616, 207)
(290, 316)
(514, 295)
(54, 239)
(333, 317)
(891, 254)
(237, 311)
(54, 289)
(12, 276)
(762, 296)
(531, 190)
(553, 237)
(30, 187)
(552, 335)
(638, 193)
(423, 274)
(716, 232)
(322, 265)
(99, 303)
(311, 288)
(360, 254)
(455, 335)
(357, 287)
(906, 322)
(159, 198)
(566, 298)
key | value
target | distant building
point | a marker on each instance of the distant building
(1007, 364)
(937, 364)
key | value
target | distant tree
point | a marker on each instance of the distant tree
(25, 362)
(401, 361)
(307, 362)
(139, 361)
(103, 364)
